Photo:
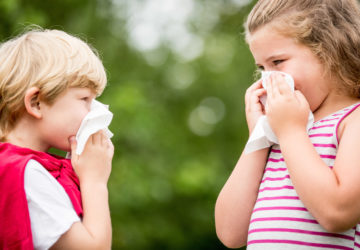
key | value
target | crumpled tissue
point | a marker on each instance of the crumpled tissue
(97, 119)
(262, 135)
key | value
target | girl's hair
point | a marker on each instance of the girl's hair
(51, 60)
(329, 28)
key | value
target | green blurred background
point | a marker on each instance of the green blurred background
(178, 71)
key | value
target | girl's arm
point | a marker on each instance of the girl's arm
(93, 167)
(237, 198)
(331, 196)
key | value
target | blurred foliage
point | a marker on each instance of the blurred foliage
(179, 124)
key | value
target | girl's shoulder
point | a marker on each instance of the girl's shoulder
(350, 118)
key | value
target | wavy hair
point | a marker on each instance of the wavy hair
(329, 28)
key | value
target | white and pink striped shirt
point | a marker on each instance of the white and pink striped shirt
(279, 219)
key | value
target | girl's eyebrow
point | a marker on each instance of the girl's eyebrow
(276, 56)
(271, 58)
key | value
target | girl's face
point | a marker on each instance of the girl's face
(62, 119)
(273, 51)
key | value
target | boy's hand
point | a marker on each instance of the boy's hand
(253, 107)
(94, 164)
(286, 110)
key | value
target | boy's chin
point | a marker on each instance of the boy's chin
(64, 148)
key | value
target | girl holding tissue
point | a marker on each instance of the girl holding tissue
(302, 192)
(48, 81)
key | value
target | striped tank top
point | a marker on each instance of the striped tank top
(279, 219)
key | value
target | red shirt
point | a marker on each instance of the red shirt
(15, 228)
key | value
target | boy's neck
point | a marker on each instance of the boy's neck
(24, 135)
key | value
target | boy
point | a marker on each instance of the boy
(48, 80)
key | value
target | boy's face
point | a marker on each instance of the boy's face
(273, 51)
(62, 119)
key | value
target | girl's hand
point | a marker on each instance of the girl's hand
(94, 164)
(253, 107)
(286, 110)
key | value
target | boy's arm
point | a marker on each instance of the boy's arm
(94, 232)
(237, 199)
(93, 167)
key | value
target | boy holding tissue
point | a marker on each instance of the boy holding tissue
(48, 82)
(302, 190)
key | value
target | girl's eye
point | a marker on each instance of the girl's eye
(85, 99)
(261, 68)
(276, 62)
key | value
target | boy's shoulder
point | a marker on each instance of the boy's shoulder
(19, 156)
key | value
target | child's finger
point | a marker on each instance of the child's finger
(270, 89)
(93, 139)
(254, 99)
(256, 85)
(275, 81)
(251, 89)
(104, 137)
(72, 141)
(259, 92)
(73, 145)
(96, 138)
(301, 98)
(282, 85)
(109, 144)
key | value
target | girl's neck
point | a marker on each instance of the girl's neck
(333, 102)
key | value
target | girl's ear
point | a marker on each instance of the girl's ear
(32, 102)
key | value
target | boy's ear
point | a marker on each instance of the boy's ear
(32, 102)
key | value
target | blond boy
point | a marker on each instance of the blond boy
(48, 80)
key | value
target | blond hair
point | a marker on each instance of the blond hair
(330, 28)
(51, 60)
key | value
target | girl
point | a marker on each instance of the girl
(303, 193)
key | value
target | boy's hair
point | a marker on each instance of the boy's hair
(51, 60)
(330, 28)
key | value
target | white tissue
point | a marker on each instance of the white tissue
(265, 75)
(97, 119)
(262, 135)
